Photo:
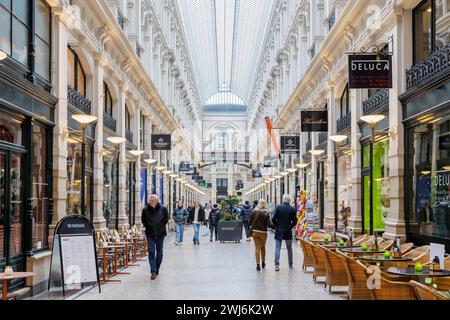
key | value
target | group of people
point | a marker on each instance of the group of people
(256, 219)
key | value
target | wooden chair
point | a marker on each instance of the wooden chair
(367, 241)
(319, 263)
(386, 245)
(357, 280)
(359, 239)
(335, 269)
(308, 260)
(389, 290)
(406, 247)
(424, 292)
(421, 254)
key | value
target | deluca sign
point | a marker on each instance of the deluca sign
(161, 142)
(370, 71)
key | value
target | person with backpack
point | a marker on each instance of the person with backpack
(214, 218)
(246, 211)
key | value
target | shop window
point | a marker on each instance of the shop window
(428, 184)
(344, 191)
(345, 102)
(142, 133)
(75, 73)
(10, 129)
(42, 39)
(127, 119)
(108, 102)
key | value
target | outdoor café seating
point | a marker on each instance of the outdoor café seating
(357, 281)
(336, 275)
(424, 292)
(308, 259)
(319, 263)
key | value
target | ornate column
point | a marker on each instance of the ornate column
(123, 219)
(138, 185)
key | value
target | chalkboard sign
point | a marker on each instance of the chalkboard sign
(74, 253)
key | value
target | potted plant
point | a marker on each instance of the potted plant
(230, 227)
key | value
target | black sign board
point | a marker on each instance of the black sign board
(370, 71)
(444, 142)
(256, 174)
(161, 142)
(209, 186)
(186, 167)
(270, 162)
(314, 121)
(290, 145)
(199, 178)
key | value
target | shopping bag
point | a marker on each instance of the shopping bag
(205, 231)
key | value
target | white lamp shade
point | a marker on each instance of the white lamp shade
(3, 55)
(373, 119)
(338, 138)
(160, 168)
(84, 118)
(291, 170)
(151, 161)
(302, 165)
(137, 153)
(317, 152)
(116, 140)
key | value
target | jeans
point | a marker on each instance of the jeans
(155, 252)
(213, 228)
(246, 228)
(278, 252)
(180, 231)
(260, 239)
(196, 232)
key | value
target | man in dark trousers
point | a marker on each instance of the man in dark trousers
(246, 211)
(284, 220)
(155, 218)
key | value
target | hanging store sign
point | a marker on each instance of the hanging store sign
(161, 142)
(314, 121)
(186, 167)
(270, 162)
(256, 174)
(290, 145)
(370, 71)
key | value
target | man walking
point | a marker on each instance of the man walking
(180, 217)
(197, 216)
(214, 218)
(246, 211)
(284, 220)
(155, 218)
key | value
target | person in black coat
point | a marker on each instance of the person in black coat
(197, 217)
(214, 218)
(246, 211)
(155, 218)
(284, 219)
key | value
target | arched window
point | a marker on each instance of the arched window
(127, 119)
(107, 100)
(345, 102)
(76, 76)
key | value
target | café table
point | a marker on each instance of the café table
(360, 251)
(337, 246)
(378, 258)
(445, 294)
(15, 275)
(411, 272)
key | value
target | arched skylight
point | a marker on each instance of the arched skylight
(224, 102)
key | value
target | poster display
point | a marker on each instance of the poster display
(78, 259)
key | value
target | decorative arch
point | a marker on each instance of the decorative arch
(224, 102)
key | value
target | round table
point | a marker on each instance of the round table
(16, 275)
(383, 259)
(411, 272)
(336, 246)
(358, 251)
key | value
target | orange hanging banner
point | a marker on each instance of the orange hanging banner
(272, 135)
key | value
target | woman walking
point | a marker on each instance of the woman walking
(259, 222)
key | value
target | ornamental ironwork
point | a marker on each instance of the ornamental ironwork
(323, 136)
(121, 20)
(376, 102)
(344, 122)
(78, 101)
(109, 122)
(331, 20)
(435, 64)
(139, 49)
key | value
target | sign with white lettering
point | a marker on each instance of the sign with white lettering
(314, 121)
(161, 142)
(370, 71)
(290, 145)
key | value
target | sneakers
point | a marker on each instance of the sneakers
(153, 277)
(258, 267)
(277, 268)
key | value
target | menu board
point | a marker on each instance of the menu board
(78, 258)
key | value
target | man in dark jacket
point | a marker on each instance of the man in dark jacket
(196, 217)
(284, 220)
(246, 210)
(180, 217)
(155, 218)
(214, 218)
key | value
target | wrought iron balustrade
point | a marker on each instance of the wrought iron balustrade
(121, 20)
(109, 122)
(129, 135)
(331, 20)
(78, 101)
(344, 123)
(323, 136)
(376, 102)
(435, 64)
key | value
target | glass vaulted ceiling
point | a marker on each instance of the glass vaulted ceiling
(225, 39)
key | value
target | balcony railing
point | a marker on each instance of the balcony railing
(435, 64)
(331, 20)
(344, 123)
(109, 122)
(121, 20)
(129, 135)
(323, 137)
(376, 102)
(139, 50)
(78, 101)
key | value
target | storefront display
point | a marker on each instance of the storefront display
(344, 191)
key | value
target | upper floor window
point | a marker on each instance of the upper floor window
(108, 102)
(221, 141)
(142, 135)
(430, 27)
(345, 102)
(127, 119)
(76, 76)
(19, 29)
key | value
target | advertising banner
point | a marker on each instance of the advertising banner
(370, 71)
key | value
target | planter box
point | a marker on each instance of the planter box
(230, 231)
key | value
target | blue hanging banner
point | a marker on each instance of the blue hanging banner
(144, 195)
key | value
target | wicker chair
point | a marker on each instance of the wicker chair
(421, 254)
(359, 239)
(389, 290)
(444, 282)
(386, 245)
(424, 292)
(357, 281)
(368, 240)
(319, 263)
(406, 247)
(308, 260)
(335, 269)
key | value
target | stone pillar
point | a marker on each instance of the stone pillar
(329, 222)
(355, 222)
(314, 162)
(395, 222)
(123, 219)
(138, 185)
(97, 105)
(60, 131)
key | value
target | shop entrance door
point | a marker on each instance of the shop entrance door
(11, 211)
(365, 217)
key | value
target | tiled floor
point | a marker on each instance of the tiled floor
(215, 271)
